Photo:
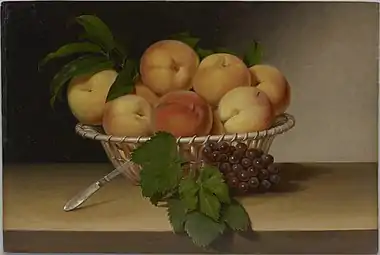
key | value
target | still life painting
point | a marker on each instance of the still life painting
(190, 127)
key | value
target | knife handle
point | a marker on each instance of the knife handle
(82, 196)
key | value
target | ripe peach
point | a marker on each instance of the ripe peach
(245, 109)
(274, 84)
(145, 92)
(168, 65)
(86, 96)
(217, 125)
(128, 115)
(219, 73)
(183, 113)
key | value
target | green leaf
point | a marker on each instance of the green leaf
(124, 83)
(202, 53)
(177, 215)
(209, 204)
(208, 172)
(161, 147)
(121, 49)
(160, 162)
(97, 31)
(155, 198)
(213, 182)
(236, 216)
(188, 191)
(159, 178)
(185, 37)
(85, 65)
(202, 229)
(70, 49)
(253, 55)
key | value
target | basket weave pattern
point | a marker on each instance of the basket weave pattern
(118, 149)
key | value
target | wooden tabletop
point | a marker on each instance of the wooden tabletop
(319, 208)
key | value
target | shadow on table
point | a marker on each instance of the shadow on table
(294, 175)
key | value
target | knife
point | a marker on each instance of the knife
(81, 197)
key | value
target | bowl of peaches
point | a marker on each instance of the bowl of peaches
(216, 99)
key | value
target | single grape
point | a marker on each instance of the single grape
(237, 168)
(253, 153)
(273, 169)
(253, 182)
(246, 162)
(233, 182)
(253, 171)
(257, 163)
(212, 145)
(267, 159)
(243, 187)
(223, 158)
(215, 156)
(233, 159)
(207, 150)
(241, 147)
(225, 167)
(263, 174)
(265, 184)
(275, 179)
(206, 153)
(243, 175)
(223, 147)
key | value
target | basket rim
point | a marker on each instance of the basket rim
(91, 132)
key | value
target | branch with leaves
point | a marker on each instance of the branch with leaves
(198, 204)
(98, 50)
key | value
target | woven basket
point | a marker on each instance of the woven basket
(118, 148)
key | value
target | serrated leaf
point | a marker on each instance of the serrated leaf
(124, 83)
(209, 204)
(207, 172)
(235, 216)
(160, 162)
(202, 53)
(85, 65)
(212, 181)
(155, 198)
(253, 55)
(188, 191)
(185, 37)
(177, 215)
(161, 147)
(70, 49)
(159, 178)
(97, 31)
(202, 229)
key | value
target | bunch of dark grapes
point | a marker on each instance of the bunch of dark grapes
(246, 170)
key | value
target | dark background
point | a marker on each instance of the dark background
(339, 39)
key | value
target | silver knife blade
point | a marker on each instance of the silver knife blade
(82, 196)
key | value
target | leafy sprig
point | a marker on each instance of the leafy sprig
(96, 51)
(198, 205)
